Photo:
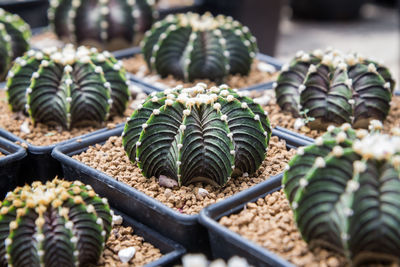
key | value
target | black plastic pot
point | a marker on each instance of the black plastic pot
(182, 228)
(39, 164)
(226, 243)
(163, 12)
(326, 10)
(261, 16)
(34, 12)
(10, 165)
(148, 88)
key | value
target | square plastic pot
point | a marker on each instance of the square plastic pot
(182, 228)
(226, 243)
(10, 165)
(149, 88)
(34, 12)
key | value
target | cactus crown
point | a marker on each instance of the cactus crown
(197, 134)
(334, 88)
(105, 24)
(69, 87)
(14, 36)
(59, 223)
(345, 193)
(190, 46)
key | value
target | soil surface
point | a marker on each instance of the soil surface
(123, 237)
(137, 66)
(286, 120)
(269, 223)
(43, 135)
(111, 159)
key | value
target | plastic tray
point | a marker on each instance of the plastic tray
(226, 243)
(10, 165)
(39, 164)
(148, 88)
(182, 228)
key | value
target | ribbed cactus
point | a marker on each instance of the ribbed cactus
(190, 46)
(14, 37)
(106, 24)
(334, 88)
(59, 223)
(345, 193)
(69, 87)
(197, 134)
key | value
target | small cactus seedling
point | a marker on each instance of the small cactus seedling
(197, 134)
(69, 87)
(59, 223)
(335, 89)
(106, 24)
(14, 36)
(344, 191)
(190, 46)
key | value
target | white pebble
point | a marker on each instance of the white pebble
(126, 254)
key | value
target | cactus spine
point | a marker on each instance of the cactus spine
(197, 134)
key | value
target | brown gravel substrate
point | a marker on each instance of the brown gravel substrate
(111, 159)
(137, 66)
(269, 223)
(123, 237)
(174, 3)
(286, 120)
(42, 135)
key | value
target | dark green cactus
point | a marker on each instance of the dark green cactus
(190, 46)
(333, 89)
(68, 87)
(59, 223)
(14, 36)
(197, 134)
(106, 24)
(345, 193)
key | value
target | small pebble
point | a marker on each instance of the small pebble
(126, 254)
(117, 219)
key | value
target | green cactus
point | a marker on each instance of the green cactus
(14, 36)
(106, 24)
(59, 223)
(335, 89)
(190, 46)
(197, 134)
(344, 191)
(68, 87)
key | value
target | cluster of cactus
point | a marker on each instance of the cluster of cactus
(344, 191)
(105, 24)
(189, 46)
(335, 88)
(14, 36)
(197, 134)
(69, 87)
(58, 223)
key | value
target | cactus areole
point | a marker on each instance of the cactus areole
(14, 39)
(197, 134)
(105, 24)
(190, 46)
(69, 87)
(335, 88)
(58, 223)
(344, 191)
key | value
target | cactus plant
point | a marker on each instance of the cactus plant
(69, 87)
(197, 134)
(335, 88)
(344, 191)
(190, 46)
(14, 36)
(58, 223)
(105, 24)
